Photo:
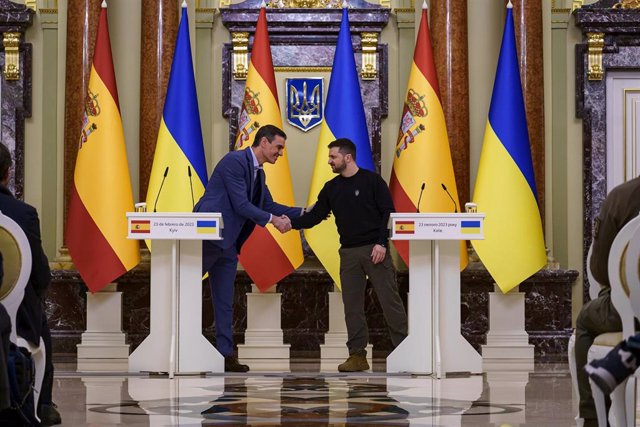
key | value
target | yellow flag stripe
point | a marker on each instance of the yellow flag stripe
(102, 163)
(176, 190)
(324, 238)
(278, 176)
(513, 234)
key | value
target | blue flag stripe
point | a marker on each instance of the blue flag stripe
(344, 111)
(206, 223)
(470, 224)
(180, 112)
(507, 113)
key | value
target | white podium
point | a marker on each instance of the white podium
(434, 344)
(175, 343)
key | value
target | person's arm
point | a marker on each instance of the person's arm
(40, 277)
(605, 230)
(384, 204)
(277, 209)
(236, 187)
(320, 211)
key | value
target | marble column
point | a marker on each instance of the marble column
(448, 24)
(527, 16)
(82, 22)
(160, 24)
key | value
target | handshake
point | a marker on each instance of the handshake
(281, 223)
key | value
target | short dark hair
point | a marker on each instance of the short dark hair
(270, 131)
(345, 146)
(5, 161)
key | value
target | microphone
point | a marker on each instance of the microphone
(193, 203)
(420, 197)
(166, 171)
(455, 205)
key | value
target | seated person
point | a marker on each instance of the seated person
(620, 207)
(599, 316)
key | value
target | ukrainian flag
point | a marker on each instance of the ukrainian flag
(207, 227)
(179, 147)
(343, 118)
(513, 248)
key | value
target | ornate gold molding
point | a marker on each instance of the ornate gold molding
(240, 61)
(305, 4)
(11, 42)
(369, 69)
(31, 4)
(627, 4)
(576, 4)
(595, 42)
(284, 69)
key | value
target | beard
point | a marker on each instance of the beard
(338, 168)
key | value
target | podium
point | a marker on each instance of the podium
(175, 343)
(434, 344)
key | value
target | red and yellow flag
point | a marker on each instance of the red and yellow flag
(422, 155)
(96, 229)
(260, 107)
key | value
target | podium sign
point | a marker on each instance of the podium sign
(178, 225)
(175, 343)
(433, 226)
(434, 344)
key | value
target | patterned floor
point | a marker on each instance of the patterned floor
(539, 398)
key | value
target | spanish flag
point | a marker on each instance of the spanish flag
(260, 107)
(422, 156)
(179, 171)
(96, 229)
(513, 246)
(343, 118)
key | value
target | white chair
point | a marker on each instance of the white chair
(594, 290)
(621, 405)
(632, 276)
(16, 257)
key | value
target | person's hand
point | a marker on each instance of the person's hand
(281, 223)
(378, 253)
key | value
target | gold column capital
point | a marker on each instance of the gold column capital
(11, 42)
(627, 4)
(240, 57)
(369, 69)
(595, 42)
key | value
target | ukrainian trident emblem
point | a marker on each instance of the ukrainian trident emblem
(414, 106)
(304, 102)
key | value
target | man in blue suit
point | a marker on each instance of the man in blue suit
(238, 190)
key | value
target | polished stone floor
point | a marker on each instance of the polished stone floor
(307, 397)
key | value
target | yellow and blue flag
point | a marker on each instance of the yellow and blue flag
(206, 226)
(179, 157)
(344, 117)
(513, 248)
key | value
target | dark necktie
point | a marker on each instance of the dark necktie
(255, 199)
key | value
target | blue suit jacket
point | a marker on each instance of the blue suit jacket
(31, 310)
(229, 192)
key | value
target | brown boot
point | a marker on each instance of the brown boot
(355, 363)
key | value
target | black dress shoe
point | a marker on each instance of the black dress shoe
(49, 415)
(231, 364)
